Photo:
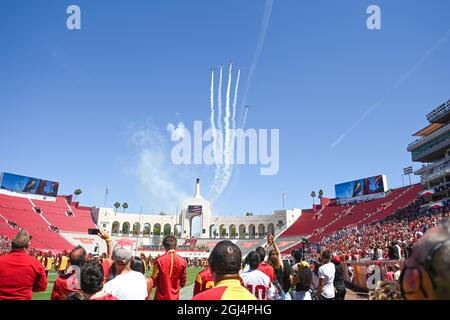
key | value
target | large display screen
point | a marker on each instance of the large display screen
(361, 187)
(17, 183)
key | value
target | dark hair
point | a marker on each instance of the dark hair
(137, 265)
(91, 280)
(262, 253)
(326, 255)
(225, 258)
(304, 279)
(169, 242)
(297, 254)
(77, 256)
(77, 296)
(253, 260)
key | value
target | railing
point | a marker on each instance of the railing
(439, 111)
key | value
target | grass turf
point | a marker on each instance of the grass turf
(45, 295)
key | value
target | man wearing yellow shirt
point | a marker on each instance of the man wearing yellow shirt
(48, 263)
(63, 264)
(225, 263)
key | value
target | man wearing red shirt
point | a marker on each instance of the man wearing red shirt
(169, 272)
(264, 266)
(68, 283)
(204, 281)
(21, 274)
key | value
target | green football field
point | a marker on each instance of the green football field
(185, 294)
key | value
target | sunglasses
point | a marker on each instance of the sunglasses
(427, 266)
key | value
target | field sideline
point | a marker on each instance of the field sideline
(186, 292)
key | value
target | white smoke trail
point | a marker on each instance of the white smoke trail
(221, 181)
(236, 88)
(227, 119)
(219, 102)
(262, 37)
(403, 78)
(244, 118)
(213, 125)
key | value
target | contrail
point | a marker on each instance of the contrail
(233, 118)
(219, 102)
(262, 37)
(218, 187)
(227, 118)
(224, 170)
(403, 78)
(244, 118)
(213, 125)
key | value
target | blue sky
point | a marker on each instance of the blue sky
(89, 108)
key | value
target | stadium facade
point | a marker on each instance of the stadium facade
(180, 225)
(432, 149)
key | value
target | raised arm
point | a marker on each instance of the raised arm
(109, 244)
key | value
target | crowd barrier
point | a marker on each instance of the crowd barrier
(366, 274)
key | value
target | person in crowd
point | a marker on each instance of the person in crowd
(48, 262)
(389, 276)
(63, 263)
(138, 264)
(256, 281)
(327, 271)
(264, 266)
(350, 271)
(386, 291)
(127, 284)
(395, 251)
(21, 274)
(91, 282)
(277, 264)
(302, 281)
(225, 263)
(426, 273)
(169, 272)
(315, 278)
(338, 282)
(67, 283)
(203, 281)
(397, 272)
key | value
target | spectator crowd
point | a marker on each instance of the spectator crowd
(317, 272)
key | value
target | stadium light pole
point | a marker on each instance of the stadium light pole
(403, 180)
(106, 195)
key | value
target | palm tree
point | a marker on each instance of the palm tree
(124, 206)
(313, 195)
(77, 192)
(117, 205)
(320, 194)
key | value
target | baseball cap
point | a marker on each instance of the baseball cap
(304, 265)
(336, 259)
(123, 251)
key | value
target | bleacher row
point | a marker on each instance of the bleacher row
(315, 225)
(41, 223)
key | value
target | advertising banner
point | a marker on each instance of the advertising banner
(24, 184)
(363, 189)
(367, 274)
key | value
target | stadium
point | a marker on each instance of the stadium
(242, 152)
(364, 216)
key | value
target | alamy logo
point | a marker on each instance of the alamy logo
(190, 148)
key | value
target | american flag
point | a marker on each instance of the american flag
(195, 209)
